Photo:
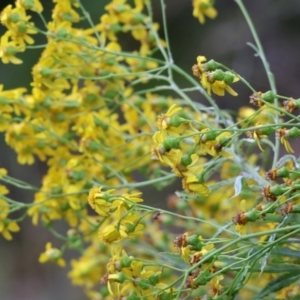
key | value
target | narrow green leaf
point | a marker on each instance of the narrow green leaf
(175, 259)
(278, 284)
(283, 251)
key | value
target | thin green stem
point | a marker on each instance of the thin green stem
(266, 65)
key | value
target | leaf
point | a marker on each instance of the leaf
(238, 185)
(283, 160)
(277, 268)
(278, 284)
(282, 251)
(174, 258)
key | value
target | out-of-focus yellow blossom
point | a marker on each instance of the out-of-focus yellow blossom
(214, 79)
(127, 228)
(192, 185)
(34, 5)
(8, 50)
(169, 157)
(204, 8)
(217, 86)
(281, 133)
(7, 225)
(52, 254)
(240, 219)
(63, 11)
(163, 120)
(3, 172)
(215, 285)
(87, 269)
(99, 200)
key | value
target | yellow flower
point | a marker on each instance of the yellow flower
(52, 254)
(282, 135)
(170, 157)
(133, 197)
(240, 219)
(6, 226)
(127, 228)
(163, 120)
(192, 185)
(215, 285)
(214, 79)
(99, 201)
(219, 88)
(3, 172)
(110, 234)
(8, 50)
(34, 5)
(204, 8)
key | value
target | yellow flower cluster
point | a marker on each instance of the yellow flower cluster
(6, 225)
(127, 222)
(104, 128)
(182, 144)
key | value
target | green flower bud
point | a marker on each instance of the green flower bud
(22, 28)
(168, 220)
(133, 296)
(104, 73)
(144, 284)
(209, 135)
(45, 72)
(62, 33)
(121, 277)
(253, 215)
(3, 100)
(104, 292)
(200, 178)
(266, 131)
(296, 208)
(94, 146)
(176, 120)
(186, 160)
(110, 94)
(130, 227)
(294, 132)
(182, 205)
(278, 190)
(283, 172)
(229, 77)
(14, 17)
(192, 239)
(224, 140)
(171, 142)
(210, 65)
(60, 117)
(120, 8)
(56, 190)
(154, 279)
(203, 278)
(110, 61)
(115, 28)
(11, 50)
(268, 96)
(78, 175)
(139, 18)
(47, 102)
(218, 75)
(125, 262)
(91, 98)
(55, 254)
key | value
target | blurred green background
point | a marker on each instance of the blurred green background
(223, 39)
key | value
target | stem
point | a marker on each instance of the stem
(266, 65)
